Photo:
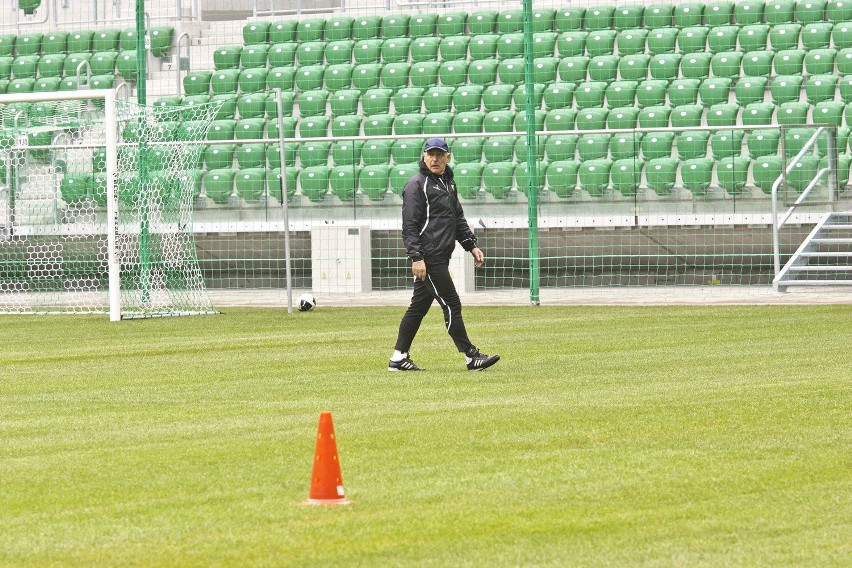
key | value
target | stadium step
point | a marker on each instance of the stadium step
(824, 258)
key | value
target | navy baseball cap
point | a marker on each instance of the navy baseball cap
(436, 143)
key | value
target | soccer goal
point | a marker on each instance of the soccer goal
(96, 200)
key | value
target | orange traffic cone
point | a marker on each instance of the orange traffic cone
(326, 482)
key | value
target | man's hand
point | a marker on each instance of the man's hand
(478, 257)
(419, 269)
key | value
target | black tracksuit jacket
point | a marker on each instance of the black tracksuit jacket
(432, 217)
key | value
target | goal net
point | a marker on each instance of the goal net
(96, 203)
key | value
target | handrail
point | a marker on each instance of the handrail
(87, 85)
(831, 166)
(179, 60)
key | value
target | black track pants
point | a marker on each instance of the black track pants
(437, 286)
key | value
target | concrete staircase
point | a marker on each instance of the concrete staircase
(824, 258)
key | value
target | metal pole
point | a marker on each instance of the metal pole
(144, 225)
(284, 204)
(532, 156)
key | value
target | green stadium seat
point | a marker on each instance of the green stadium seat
(422, 25)
(453, 48)
(758, 113)
(251, 156)
(310, 29)
(219, 156)
(763, 143)
(483, 46)
(74, 60)
(497, 178)
(482, 22)
(561, 177)
(344, 181)
(452, 23)
(364, 27)
(467, 98)
(424, 74)
(662, 40)
(346, 125)
(28, 44)
(219, 184)
(692, 144)
(344, 102)
(408, 100)
(25, 85)
(310, 77)
(750, 90)
(661, 175)
(785, 88)
(510, 21)
(308, 53)
(468, 178)
(255, 56)
(346, 152)
(839, 11)
(221, 82)
(600, 42)
(780, 12)
(621, 93)
(483, 72)
(438, 99)
(125, 65)
(748, 12)
(696, 65)
(722, 114)
(252, 105)
(628, 17)
(161, 40)
(625, 146)
(396, 50)
(688, 14)
(726, 143)
(593, 146)
(336, 52)
(732, 174)
(659, 15)
(519, 96)
(560, 119)
(651, 92)
(338, 28)
(367, 76)
(687, 115)
(634, 67)
(622, 117)
(726, 64)
(395, 26)
(256, 32)
(283, 31)
(454, 73)
(47, 85)
(406, 151)
(561, 147)
(590, 94)
(376, 101)
(625, 176)
(844, 61)
(378, 125)
(697, 175)
(629, 42)
(559, 95)
(249, 129)
(593, 176)
(665, 66)
(6, 67)
(819, 88)
(7, 45)
(464, 150)
(289, 129)
(657, 145)
(195, 83)
(592, 118)
(809, 11)
(820, 61)
(75, 187)
(683, 92)
(376, 152)
(816, 35)
(545, 68)
(511, 71)
(374, 181)
(522, 179)
(338, 77)
(828, 112)
(803, 172)
(758, 63)
(722, 39)
(25, 67)
(106, 40)
(283, 78)
(221, 130)
(56, 42)
(227, 57)
(601, 68)
(719, 13)
(315, 153)
(127, 39)
(573, 69)
(544, 45)
(789, 62)
(313, 182)
(313, 127)
(765, 170)
(424, 49)
(498, 97)
(499, 149)
(785, 36)
(753, 37)
(312, 103)
(400, 174)
(250, 183)
(499, 121)
(573, 43)
(569, 18)
(598, 18)
(655, 116)
(367, 51)
(104, 63)
(692, 39)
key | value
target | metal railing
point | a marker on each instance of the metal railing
(831, 167)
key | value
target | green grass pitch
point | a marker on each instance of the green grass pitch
(673, 436)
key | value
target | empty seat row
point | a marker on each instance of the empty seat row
(61, 65)
(52, 84)
(699, 39)
(61, 42)
(573, 18)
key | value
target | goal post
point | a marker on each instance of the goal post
(96, 197)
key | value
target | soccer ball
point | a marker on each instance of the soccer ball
(307, 302)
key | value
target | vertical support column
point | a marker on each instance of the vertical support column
(340, 259)
(462, 270)
(113, 263)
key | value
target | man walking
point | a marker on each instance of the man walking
(432, 222)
